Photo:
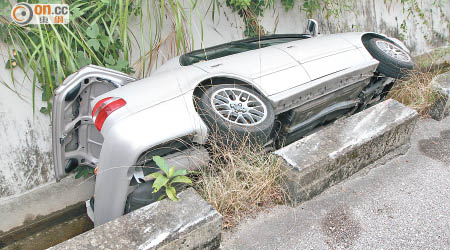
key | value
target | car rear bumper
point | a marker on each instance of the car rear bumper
(191, 159)
(126, 140)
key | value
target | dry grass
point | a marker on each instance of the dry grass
(415, 90)
(240, 181)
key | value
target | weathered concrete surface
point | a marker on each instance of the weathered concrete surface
(25, 208)
(325, 158)
(441, 107)
(403, 204)
(190, 223)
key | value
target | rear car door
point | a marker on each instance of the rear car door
(76, 141)
(324, 55)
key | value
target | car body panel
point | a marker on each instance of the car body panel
(334, 63)
(317, 47)
(251, 64)
(282, 80)
(327, 85)
(147, 92)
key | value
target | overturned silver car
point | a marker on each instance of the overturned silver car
(275, 88)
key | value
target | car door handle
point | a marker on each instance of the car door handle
(215, 65)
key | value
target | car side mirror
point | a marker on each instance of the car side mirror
(312, 27)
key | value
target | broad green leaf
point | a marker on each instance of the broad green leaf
(81, 58)
(171, 171)
(110, 60)
(180, 172)
(121, 65)
(181, 179)
(75, 13)
(94, 44)
(161, 163)
(104, 40)
(81, 172)
(154, 175)
(171, 193)
(93, 31)
(162, 197)
(159, 182)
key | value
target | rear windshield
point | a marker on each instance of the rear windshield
(236, 47)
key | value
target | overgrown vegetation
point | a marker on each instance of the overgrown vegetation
(240, 181)
(250, 11)
(415, 90)
(99, 33)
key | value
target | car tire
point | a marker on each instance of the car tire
(236, 114)
(394, 61)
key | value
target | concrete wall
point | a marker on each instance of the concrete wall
(25, 145)
(25, 138)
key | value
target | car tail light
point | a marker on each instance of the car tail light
(104, 108)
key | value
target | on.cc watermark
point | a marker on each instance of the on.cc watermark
(24, 13)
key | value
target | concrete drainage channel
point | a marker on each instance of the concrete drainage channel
(312, 164)
(50, 230)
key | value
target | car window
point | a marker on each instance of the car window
(228, 49)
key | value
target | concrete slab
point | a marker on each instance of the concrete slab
(336, 152)
(403, 204)
(190, 223)
(441, 107)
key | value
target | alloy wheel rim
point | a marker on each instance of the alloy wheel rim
(393, 51)
(238, 106)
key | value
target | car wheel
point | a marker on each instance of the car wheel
(236, 114)
(394, 61)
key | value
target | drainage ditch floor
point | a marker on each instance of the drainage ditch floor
(49, 231)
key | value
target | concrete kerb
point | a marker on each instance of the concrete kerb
(325, 158)
(441, 86)
(190, 223)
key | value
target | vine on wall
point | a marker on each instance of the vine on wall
(251, 11)
(422, 17)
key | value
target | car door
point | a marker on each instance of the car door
(76, 141)
(324, 55)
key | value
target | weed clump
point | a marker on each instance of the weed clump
(415, 90)
(240, 180)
